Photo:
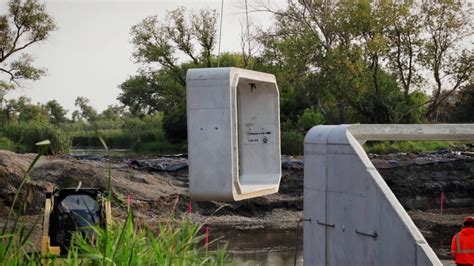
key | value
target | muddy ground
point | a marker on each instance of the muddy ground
(158, 190)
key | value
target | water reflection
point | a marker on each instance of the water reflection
(271, 246)
(262, 246)
(268, 258)
(101, 152)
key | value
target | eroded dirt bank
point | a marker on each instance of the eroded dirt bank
(159, 187)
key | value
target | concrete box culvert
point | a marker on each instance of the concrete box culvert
(233, 134)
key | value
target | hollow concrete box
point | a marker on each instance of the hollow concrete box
(233, 134)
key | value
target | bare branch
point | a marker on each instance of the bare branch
(12, 77)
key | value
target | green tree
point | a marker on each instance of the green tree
(152, 92)
(404, 34)
(310, 118)
(174, 123)
(447, 23)
(158, 41)
(368, 60)
(25, 24)
(160, 86)
(135, 95)
(57, 113)
(291, 51)
(332, 53)
(23, 110)
(86, 111)
(113, 113)
(33, 112)
(463, 108)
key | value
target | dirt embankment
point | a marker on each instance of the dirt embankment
(156, 194)
(49, 172)
(416, 179)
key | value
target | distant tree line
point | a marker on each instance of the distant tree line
(335, 62)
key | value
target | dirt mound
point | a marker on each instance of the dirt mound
(68, 174)
(419, 186)
(50, 172)
(12, 169)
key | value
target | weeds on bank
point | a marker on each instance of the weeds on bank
(176, 242)
(383, 147)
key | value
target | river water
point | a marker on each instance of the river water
(268, 246)
(261, 246)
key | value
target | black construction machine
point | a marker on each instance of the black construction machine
(68, 211)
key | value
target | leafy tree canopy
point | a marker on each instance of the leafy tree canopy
(25, 24)
(158, 44)
(57, 113)
(365, 62)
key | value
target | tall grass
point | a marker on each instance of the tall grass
(6, 144)
(115, 138)
(22, 137)
(292, 142)
(407, 146)
(174, 243)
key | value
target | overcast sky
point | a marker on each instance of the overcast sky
(90, 53)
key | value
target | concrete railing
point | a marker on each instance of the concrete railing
(351, 215)
(413, 132)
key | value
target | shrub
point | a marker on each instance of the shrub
(310, 118)
(149, 136)
(406, 146)
(292, 142)
(114, 138)
(175, 124)
(6, 144)
(141, 135)
(26, 135)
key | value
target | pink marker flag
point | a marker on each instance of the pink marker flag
(190, 207)
(207, 235)
(206, 240)
(442, 202)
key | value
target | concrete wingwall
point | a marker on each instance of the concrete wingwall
(351, 215)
